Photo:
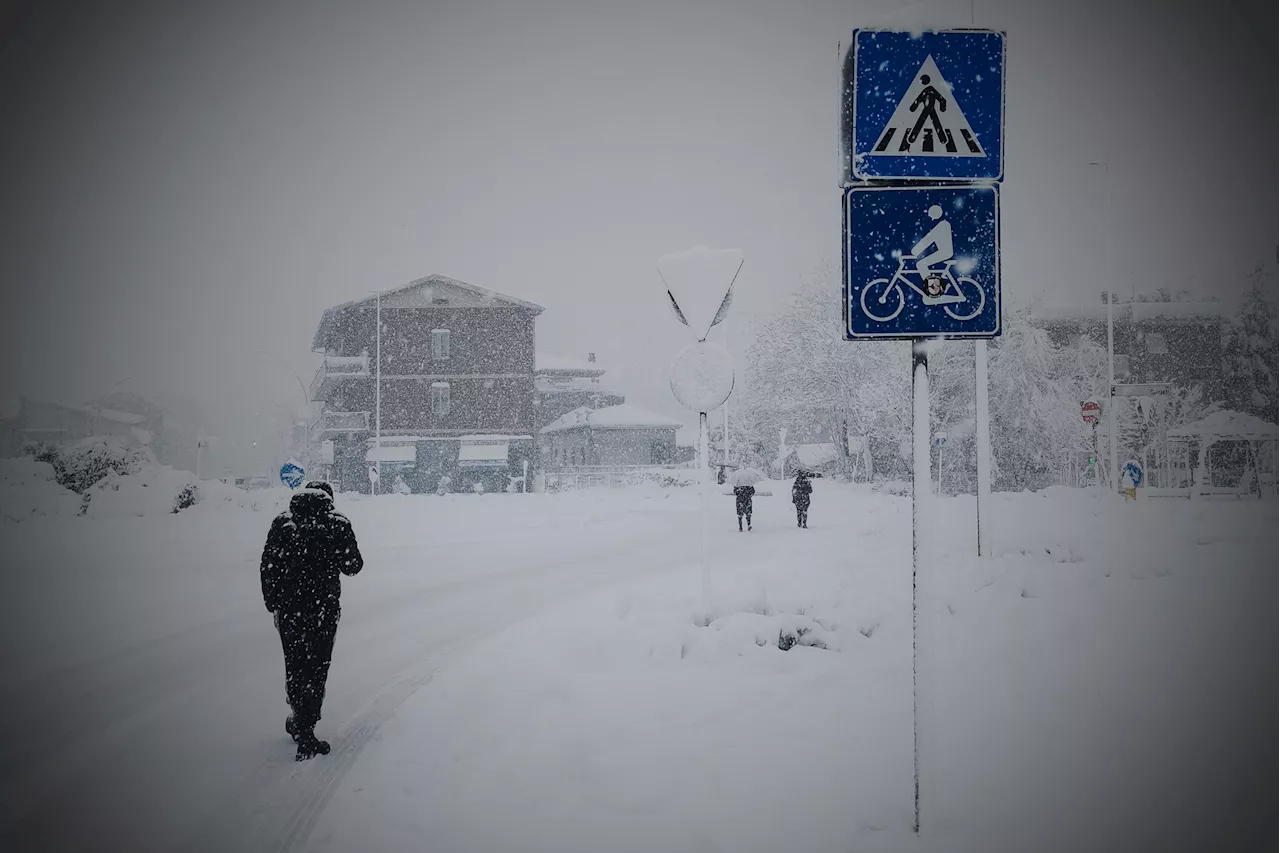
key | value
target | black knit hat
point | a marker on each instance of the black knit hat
(322, 486)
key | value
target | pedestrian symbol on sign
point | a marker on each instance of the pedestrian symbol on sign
(923, 125)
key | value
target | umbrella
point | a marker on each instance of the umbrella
(745, 477)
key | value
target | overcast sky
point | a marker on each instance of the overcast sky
(186, 183)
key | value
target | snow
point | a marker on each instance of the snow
(699, 279)
(702, 377)
(615, 722)
(625, 416)
(525, 672)
(815, 455)
(1227, 424)
(28, 489)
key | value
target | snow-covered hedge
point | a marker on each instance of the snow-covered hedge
(80, 465)
(105, 477)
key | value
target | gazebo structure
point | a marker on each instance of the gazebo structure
(1229, 426)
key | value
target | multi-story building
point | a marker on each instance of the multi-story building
(455, 394)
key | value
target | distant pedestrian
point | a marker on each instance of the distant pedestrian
(309, 547)
(801, 490)
(742, 497)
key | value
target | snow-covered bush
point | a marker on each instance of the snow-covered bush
(188, 496)
(80, 465)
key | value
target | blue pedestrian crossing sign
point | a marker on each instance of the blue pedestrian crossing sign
(291, 474)
(927, 106)
(922, 262)
(1134, 472)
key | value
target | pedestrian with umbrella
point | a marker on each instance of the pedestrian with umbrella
(801, 490)
(744, 489)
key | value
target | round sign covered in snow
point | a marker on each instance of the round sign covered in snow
(702, 377)
(291, 474)
(1090, 411)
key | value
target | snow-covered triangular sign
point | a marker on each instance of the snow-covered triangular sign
(928, 122)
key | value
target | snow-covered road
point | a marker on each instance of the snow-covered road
(525, 673)
(148, 685)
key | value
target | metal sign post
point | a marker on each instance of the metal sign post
(699, 289)
(922, 154)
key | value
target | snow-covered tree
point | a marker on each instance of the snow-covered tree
(1251, 351)
(803, 376)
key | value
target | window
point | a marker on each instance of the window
(1122, 366)
(1156, 343)
(439, 398)
(440, 344)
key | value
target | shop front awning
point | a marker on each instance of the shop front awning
(404, 454)
(488, 454)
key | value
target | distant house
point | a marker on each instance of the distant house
(564, 384)
(41, 421)
(1179, 342)
(615, 436)
(457, 386)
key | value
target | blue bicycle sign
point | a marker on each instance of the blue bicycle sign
(944, 243)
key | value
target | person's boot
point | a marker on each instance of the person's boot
(739, 524)
(309, 746)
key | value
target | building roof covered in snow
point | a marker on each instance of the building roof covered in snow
(1227, 424)
(815, 455)
(1137, 312)
(559, 364)
(92, 411)
(625, 416)
(433, 290)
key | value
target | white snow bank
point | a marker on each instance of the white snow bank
(160, 489)
(28, 488)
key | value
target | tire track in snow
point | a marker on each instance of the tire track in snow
(287, 801)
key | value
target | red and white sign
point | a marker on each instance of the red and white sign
(1090, 411)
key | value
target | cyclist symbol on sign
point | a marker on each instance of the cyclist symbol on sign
(962, 298)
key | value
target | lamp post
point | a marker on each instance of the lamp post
(377, 393)
(1109, 297)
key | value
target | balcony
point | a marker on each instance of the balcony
(335, 370)
(333, 424)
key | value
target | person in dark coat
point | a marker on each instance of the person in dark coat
(309, 547)
(742, 497)
(801, 490)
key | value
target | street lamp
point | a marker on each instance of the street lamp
(1109, 297)
(377, 393)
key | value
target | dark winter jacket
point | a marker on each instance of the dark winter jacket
(308, 547)
(801, 491)
(743, 494)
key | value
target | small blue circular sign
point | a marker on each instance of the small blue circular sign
(1134, 470)
(291, 475)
